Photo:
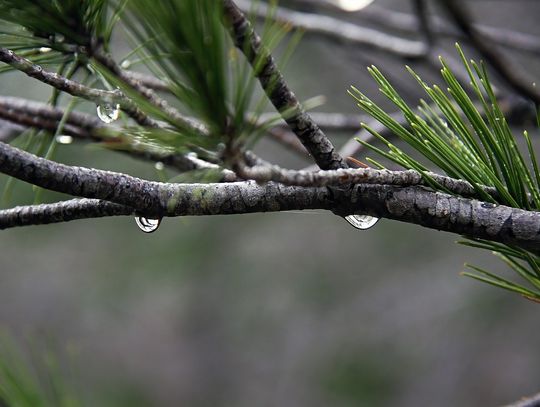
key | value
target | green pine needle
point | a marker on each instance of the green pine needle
(470, 139)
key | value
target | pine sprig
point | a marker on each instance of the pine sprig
(457, 138)
(70, 21)
(467, 139)
(208, 77)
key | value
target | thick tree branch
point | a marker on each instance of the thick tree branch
(283, 99)
(153, 199)
(76, 89)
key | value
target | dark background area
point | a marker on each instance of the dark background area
(286, 309)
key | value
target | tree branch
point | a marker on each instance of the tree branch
(181, 120)
(342, 176)
(76, 89)
(86, 127)
(340, 30)
(501, 65)
(398, 20)
(153, 199)
(279, 93)
(64, 211)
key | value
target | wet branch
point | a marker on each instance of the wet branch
(64, 211)
(82, 126)
(398, 20)
(179, 119)
(74, 88)
(342, 176)
(153, 199)
(277, 90)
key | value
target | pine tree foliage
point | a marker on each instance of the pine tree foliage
(451, 132)
(214, 106)
(466, 136)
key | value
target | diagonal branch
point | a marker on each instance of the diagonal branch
(398, 20)
(183, 121)
(74, 88)
(507, 70)
(532, 401)
(277, 90)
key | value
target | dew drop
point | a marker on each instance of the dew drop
(126, 63)
(44, 50)
(361, 221)
(108, 113)
(488, 205)
(159, 166)
(147, 225)
(63, 139)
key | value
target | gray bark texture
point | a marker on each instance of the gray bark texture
(413, 204)
(283, 99)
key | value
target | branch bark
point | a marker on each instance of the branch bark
(86, 127)
(341, 30)
(64, 211)
(277, 90)
(74, 88)
(153, 199)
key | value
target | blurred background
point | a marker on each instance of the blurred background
(285, 309)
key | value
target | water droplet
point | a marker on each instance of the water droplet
(126, 63)
(361, 221)
(147, 225)
(159, 166)
(488, 205)
(108, 113)
(44, 50)
(63, 139)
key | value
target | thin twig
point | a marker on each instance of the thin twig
(340, 30)
(262, 173)
(86, 127)
(398, 20)
(179, 119)
(149, 81)
(504, 67)
(76, 89)
(64, 211)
